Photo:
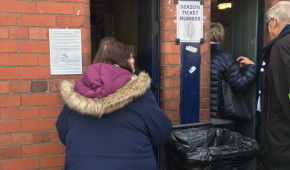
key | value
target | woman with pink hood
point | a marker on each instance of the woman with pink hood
(111, 120)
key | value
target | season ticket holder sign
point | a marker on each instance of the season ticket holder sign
(189, 21)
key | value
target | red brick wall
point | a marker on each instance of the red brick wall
(29, 96)
(205, 66)
(170, 63)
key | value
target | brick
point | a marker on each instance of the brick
(54, 8)
(86, 47)
(172, 93)
(207, 4)
(206, 27)
(170, 59)
(54, 85)
(174, 116)
(20, 113)
(34, 46)
(168, 36)
(61, 148)
(43, 59)
(82, 9)
(205, 59)
(10, 152)
(170, 71)
(74, 76)
(54, 136)
(18, 59)
(204, 92)
(206, 37)
(86, 59)
(170, 82)
(172, 105)
(167, 24)
(22, 139)
(167, 3)
(38, 33)
(8, 19)
(205, 81)
(270, 4)
(62, 0)
(204, 103)
(4, 86)
(36, 20)
(39, 150)
(35, 73)
(10, 126)
(21, 164)
(3, 32)
(60, 100)
(207, 13)
(204, 115)
(17, 6)
(18, 33)
(6, 140)
(9, 100)
(37, 125)
(41, 137)
(9, 73)
(168, 12)
(205, 47)
(169, 47)
(86, 34)
(34, 99)
(8, 46)
(73, 21)
(50, 111)
(205, 70)
(38, 86)
(52, 161)
(19, 86)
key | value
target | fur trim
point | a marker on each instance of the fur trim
(98, 107)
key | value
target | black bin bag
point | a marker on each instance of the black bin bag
(208, 149)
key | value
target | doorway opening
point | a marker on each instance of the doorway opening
(133, 22)
(241, 39)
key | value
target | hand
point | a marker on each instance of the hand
(245, 61)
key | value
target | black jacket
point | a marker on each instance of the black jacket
(221, 61)
(275, 103)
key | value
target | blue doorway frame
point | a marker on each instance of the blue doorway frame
(149, 41)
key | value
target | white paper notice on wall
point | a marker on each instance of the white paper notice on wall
(65, 51)
(192, 69)
(189, 21)
(191, 49)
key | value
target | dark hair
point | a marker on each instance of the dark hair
(115, 52)
(105, 39)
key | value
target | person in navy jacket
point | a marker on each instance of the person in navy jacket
(111, 120)
(221, 63)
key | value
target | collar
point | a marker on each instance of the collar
(267, 49)
(136, 87)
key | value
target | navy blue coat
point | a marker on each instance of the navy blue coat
(120, 136)
(239, 79)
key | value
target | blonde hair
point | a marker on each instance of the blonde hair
(281, 12)
(217, 32)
